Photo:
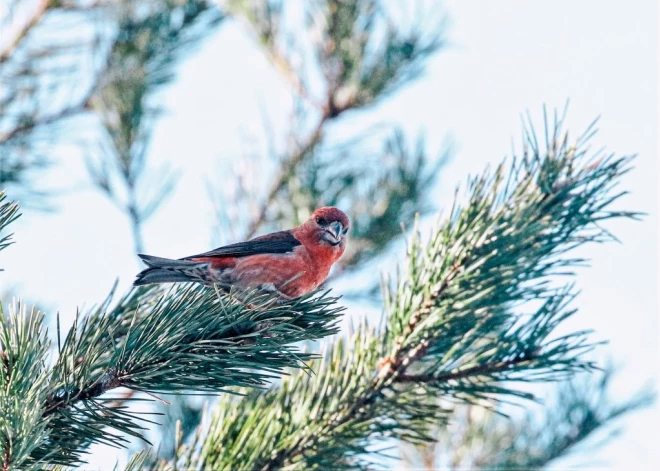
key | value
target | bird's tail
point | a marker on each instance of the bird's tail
(165, 270)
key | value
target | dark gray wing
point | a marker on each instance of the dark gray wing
(277, 242)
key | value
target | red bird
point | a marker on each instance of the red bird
(289, 263)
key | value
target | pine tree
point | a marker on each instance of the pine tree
(469, 319)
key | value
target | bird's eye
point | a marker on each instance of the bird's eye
(345, 230)
(321, 221)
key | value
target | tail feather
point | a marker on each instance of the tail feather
(165, 270)
(159, 262)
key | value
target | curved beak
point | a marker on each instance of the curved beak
(335, 229)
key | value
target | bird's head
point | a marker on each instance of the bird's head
(327, 227)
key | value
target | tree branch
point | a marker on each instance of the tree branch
(191, 339)
(453, 330)
(287, 168)
(29, 126)
(34, 19)
(62, 399)
(390, 370)
(463, 373)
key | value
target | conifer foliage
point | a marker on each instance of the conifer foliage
(473, 314)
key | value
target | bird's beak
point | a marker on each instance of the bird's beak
(335, 230)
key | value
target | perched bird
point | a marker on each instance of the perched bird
(288, 263)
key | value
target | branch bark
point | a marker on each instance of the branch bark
(287, 168)
(391, 369)
(24, 30)
(111, 379)
(62, 114)
(476, 370)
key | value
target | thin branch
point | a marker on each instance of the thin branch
(286, 70)
(136, 223)
(23, 31)
(287, 168)
(391, 370)
(111, 379)
(476, 370)
(66, 112)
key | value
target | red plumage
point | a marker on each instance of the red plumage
(290, 263)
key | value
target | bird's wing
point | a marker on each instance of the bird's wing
(275, 243)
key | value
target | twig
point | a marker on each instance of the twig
(464, 373)
(68, 111)
(61, 399)
(34, 20)
(30, 125)
(393, 369)
(287, 168)
(282, 64)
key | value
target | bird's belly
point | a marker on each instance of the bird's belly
(289, 274)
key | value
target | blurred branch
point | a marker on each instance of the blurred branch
(145, 50)
(264, 17)
(41, 74)
(139, 56)
(30, 122)
(64, 113)
(358, 65)
(33, 20)
(581, 410)
(287, 168)
(383, 189)
(8, 214)
(482, 439)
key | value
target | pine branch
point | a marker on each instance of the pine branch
(33, 20)
(189, 339)
(577, 410)
(287, 169)
(8, 214)
(31, 125)
(454, 327)
(141, 60)
(357, 73)
(41, 81)
(582, 409)
(19, 72)
(489, 369)
(23, 385)
(264, 18)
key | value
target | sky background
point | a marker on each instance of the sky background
(503, 58)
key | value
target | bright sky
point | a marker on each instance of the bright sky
(504, 58)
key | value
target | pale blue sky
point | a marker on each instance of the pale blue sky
(504, 58)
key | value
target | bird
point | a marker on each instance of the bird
(287, 263)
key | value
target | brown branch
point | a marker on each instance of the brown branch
(392, 368)
(7, 458)
(330, 110)
(61, 399)
(34, 20)
(286, 70)
(31, 125)
(286, 170)
(421, 313)
(68, 111)
(476, 370)
(280, 61)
